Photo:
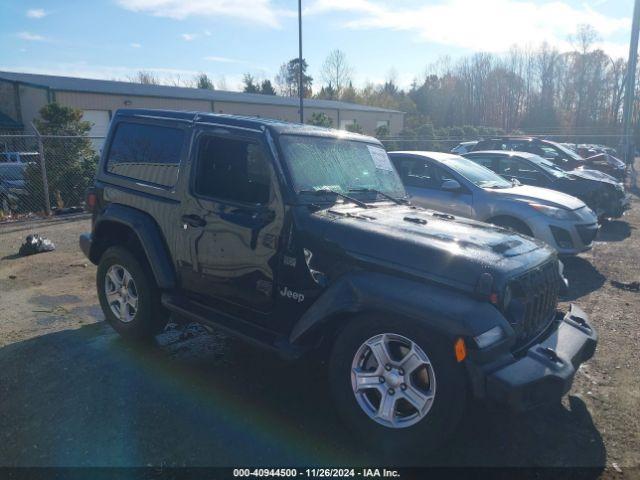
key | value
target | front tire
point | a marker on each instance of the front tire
(397, 385)
(128, 295)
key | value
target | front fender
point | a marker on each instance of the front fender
(444, 310)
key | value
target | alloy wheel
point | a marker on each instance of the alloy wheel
(121, 293)
(393, 380)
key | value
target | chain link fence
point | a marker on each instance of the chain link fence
(42, 175)
(45, 175)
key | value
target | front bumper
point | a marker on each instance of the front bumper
(618, 207)
(85, 244)
(544, 373)
(567, 237)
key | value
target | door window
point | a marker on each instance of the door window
(417, 173)
(513, 167)
(487, 162)
(232, 169)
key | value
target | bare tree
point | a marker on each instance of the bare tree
(584, 38)
(145, 77)
(336, 72)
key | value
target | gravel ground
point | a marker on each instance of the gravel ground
(72, 393)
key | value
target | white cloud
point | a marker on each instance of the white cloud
(213, 58)
(135, 45)
(36, 13)
(488, 25)
(188, 37)
(252, 11)
(614, 50)
(31, 37)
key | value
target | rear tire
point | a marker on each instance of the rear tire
(129, 296)
(412, 432)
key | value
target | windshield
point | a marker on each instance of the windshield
(475, 173)
(548, 166)
(567, 151)
(344, 166)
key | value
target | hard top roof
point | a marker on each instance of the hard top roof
(257, 123)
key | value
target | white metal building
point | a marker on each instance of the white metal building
(22, 95)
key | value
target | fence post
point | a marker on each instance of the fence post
(43, 169)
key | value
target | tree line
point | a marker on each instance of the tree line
(576, 95)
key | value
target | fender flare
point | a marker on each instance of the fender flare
(150, 237)
(446, 311)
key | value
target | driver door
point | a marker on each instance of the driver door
(232, 220)
(423, 181)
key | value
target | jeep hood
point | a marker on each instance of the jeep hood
(437, 246)
(528, 193)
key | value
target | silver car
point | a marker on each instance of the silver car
(455, 185)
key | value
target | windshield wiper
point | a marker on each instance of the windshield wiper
(328, 191)
(399, 201)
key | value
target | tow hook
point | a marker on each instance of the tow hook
(581, 321)
(551, 354)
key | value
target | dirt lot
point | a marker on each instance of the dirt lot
(72, 393)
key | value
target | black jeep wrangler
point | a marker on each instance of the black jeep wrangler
(302, 239)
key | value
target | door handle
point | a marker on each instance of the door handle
(193, 220)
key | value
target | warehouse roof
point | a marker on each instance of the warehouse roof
(88, 85)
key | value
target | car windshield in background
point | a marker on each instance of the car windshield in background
(343, 166)
(548, 166)
(477, 174)
(570, 153)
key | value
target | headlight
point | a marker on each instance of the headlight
(553, 212)
(489, 337)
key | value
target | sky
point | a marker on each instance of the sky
(113, 39)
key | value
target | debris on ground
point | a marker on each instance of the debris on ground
(630, 287)
(193, 329)
(35, 244)
(67, 210)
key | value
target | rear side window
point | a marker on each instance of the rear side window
(232, 169)
(150, 153)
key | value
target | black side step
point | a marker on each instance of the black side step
(235, 326)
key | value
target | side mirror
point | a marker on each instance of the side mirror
(451, 186)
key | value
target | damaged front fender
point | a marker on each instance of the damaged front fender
(444, 310)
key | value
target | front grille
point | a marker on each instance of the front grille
(587, 233)
(537, 293)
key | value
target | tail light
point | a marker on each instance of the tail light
(91, 201)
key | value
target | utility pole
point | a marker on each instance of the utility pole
(300, 92)
(627, 110)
